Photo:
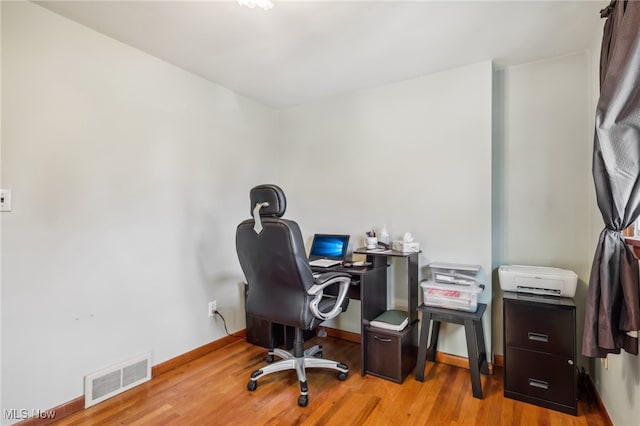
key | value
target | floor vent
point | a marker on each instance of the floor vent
(116, 379)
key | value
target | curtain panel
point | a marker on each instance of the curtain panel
(613, 299)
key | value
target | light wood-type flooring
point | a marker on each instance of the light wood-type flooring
(212, 391)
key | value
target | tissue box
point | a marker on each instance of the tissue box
(405, 246)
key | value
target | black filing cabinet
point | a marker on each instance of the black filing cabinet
(391, 354)
(540, 351)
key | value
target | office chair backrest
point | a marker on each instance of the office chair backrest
(274, 262)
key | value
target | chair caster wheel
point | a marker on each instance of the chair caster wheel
(318, 354)
(269, 358)
(342, 376)
(303, 400)
(252, 385)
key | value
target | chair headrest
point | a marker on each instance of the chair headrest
(271, 194)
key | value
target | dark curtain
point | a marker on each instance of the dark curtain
(613, 300)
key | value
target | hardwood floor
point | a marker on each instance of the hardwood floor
(211, 390)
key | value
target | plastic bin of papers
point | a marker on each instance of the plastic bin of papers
(451, 296)
(454, 273)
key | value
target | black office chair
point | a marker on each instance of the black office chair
(282, 288)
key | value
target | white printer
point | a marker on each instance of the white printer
(538, 280)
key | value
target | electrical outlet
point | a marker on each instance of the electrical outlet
(5, 200)
(212, 308)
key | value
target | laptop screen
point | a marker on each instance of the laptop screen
(325, 246)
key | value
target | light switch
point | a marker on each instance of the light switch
(5, 200)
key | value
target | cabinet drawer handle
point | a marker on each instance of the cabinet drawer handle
(381, 339)
(538, 337)
(538, 383)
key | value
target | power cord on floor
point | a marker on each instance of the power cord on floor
(225, 325)
(582, 382)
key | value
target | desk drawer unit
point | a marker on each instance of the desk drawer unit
(540, 352)
(392, 354)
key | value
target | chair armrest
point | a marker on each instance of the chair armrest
(317, 290)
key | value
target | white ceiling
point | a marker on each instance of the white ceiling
(300, 51)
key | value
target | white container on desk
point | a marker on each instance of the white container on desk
(451, 296)
(405, 246)
(454, 273)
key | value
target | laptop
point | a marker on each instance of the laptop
(328, 250)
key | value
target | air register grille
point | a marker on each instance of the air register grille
(111, 381)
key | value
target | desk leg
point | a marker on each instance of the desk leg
(433, 345)
(474, 366)
(422, 347)
(373, 302)
(413, 286)
(482, 351)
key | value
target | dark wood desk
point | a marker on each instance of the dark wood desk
(380, 259)
(474, 333)
(369, 286)
(388, 354)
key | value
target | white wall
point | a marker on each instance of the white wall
(544, 208)
(619, 387)
(129, 176)
(414, 156)
(542, 178)
(0, 215)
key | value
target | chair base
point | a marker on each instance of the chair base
(310, 358)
